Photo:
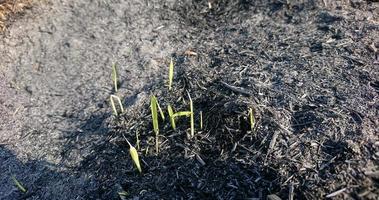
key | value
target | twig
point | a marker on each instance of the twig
(291, 195)
(200, 160)
(273, 141)
(352, 58)
(247, 149)
(333, 194)
(272, 144)
(201, 120)
(236, 89)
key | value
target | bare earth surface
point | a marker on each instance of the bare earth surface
(310, 70)
(55, 79)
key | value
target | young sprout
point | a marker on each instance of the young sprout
(252, 119)
(160, 109)
(170, 74)
(183, 113)
(114, 106)
(19, 185)
(172, 117)
(192, 118)
(134, 154)
(114, 76)
(154, 113)
(201, 120)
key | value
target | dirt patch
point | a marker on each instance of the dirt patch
(309, 70)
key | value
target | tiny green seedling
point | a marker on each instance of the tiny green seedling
(172, 117)
(154, 114)
(114, 106)
(252, 119)
(114, 77)
(175, 115)
(154, 105)
(192, 117)
(183, 113)
(18, 185)
(160, 109)
(134, 154)
(154, 101)
(170, 74)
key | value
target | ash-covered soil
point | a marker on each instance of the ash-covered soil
(309, 69)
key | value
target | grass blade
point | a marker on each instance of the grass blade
(160, 109)
(170, 74)
(154, 115)
(183, 113)
(192, 118)
(252, 119)
(114, 106)
(19, 185)
(134, 154)
(172, 117)
(114, 77)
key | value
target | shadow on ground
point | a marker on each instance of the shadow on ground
(42, 180)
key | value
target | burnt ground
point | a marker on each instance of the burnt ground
(309, 69)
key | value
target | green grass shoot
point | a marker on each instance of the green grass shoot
(160, 109)
(252, 119)
(172, 117)
(114, 106)
(175, 115)
(154, 115)
(183, 113)
(19, 185)
(114, 77)
(134, 154)
(192, 117)
(170, 74)
(201, 120)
